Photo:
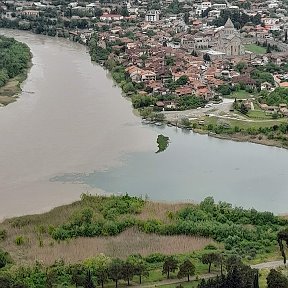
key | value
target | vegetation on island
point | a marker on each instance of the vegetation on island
(163, 143)
(14, 61)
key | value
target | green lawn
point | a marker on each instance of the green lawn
(259, 115)
(243, 124)
(241, 94)
(255, 48)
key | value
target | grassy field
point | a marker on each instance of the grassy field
(255, 48)
(244, 124)
(259, 115)
(241, 94)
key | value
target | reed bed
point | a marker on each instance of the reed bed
(127, 243)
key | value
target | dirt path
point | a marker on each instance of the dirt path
(268, 265)
(174, 281)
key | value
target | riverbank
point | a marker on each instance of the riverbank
(12, 89)
(153, 231)
(17, 61)
(147, 228)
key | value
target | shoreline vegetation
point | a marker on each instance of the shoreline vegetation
(252, 126)
(125, 230)
(15, 62)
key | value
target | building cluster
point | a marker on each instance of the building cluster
(159, 45)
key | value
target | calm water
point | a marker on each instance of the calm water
(72, 125)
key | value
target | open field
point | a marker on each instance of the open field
(255, 48)
(244, 124)
(241, 94)
(127, 243)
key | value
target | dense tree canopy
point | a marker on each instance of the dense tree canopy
(14, 58)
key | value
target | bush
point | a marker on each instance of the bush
(3, 234)
(4, 259)
(19, 240)
(155, 258)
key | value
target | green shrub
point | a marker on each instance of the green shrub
(19, 240)
(3, 234)
(155, 258)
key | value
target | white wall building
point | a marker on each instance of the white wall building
(152, 16)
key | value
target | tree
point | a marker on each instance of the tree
(276, 279)
(186, 18)
(183, 80)
(170, 265)
(209, 259)
(186, 269)
(115, 270)
(6, 281)
(240, 66)
(88, 282)
(185, 122)
(128, 271)
(99, 265)
(268, 50)
(78, 274)
(124, 12)
(4, 259)
(282, 236)
(243, 109)
(206, 57)
(140, 266)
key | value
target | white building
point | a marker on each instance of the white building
(219, 6)
(202, 7)
(152, 16)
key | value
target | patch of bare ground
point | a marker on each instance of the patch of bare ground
(129, 242)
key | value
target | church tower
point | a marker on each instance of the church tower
(229, 28)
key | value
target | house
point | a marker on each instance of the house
(152, 16)
(31, 13)
(139, 75)
(244, 79)
(185, 90)
(266, 86)
(111, 17)
(204, 93)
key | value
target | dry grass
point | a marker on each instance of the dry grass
(159, 210)
(129, 242)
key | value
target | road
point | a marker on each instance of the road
(216, 109)
(264, 265)
(268, 265)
